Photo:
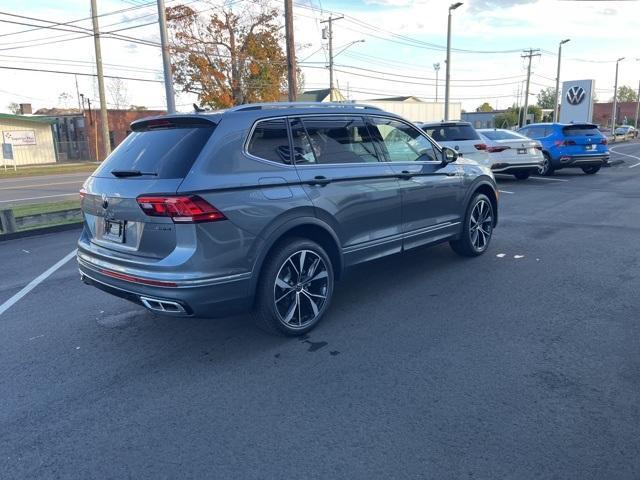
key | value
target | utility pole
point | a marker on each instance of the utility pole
(78, 93)
(555, 104)
(329, 36)
(291, 50)
(436, 67)
(638, 107)
(615, 98)
(528, 54)
(104, 118)
(452, 7)
(166, 58)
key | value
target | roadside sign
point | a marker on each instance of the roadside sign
(7, 154)
(19, 137)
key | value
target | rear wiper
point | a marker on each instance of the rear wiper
(131, 173)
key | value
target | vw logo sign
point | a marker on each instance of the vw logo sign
(575, 95)
(105, 201)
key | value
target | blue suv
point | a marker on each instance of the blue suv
(579, 145)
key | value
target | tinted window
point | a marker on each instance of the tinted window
(338, 139)
(578, 130)
(270, 141)
(501, 135)
(451, 132)
(168, 152)
(402, 143)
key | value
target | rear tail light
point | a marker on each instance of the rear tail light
(480, 146)
(603, 141)
(538, 147)
(496, 149)
(569, 142)
(83, 193)
(181, 209)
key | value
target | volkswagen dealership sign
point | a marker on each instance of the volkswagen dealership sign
(577, 101)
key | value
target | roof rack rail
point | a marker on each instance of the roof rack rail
(276, 105)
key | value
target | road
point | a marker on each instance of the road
(40, 189)
(523, 363)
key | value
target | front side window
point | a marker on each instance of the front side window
(401, 142)
(332, 140)
(270, 141)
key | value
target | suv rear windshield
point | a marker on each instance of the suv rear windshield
(501, 135)
(579, 130)
(165, 152)
(455, 132)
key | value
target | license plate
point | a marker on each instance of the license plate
(522, 151)
(114, 231)
(590, 147)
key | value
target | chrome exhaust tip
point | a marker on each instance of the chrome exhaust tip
(162, 306)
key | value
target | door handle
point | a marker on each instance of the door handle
(319, 180)
(405, 175)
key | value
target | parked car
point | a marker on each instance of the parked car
(579, 145)
(626, 131)
(512, 153)
(461, 136)
(263, 206)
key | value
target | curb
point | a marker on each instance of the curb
(40, 231)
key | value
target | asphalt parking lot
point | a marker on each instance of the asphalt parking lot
(523, 363)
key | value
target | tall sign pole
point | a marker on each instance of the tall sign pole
(104, 118)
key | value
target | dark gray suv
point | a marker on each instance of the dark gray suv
(263, 206)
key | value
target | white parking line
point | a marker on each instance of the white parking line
(626, 155)
(632, 166)
(38, 198)
(548, 179)
(505, 191)
(35, 282)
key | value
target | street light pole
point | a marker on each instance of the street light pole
(436, 67)
(555, 106)
(330, 21)
(615, 98)
(452, 7)
(166, 58)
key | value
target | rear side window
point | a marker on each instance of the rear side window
(332, 140)
(452, 132)
(166, 152)
(537, 132)
(580, 130)
(501, 135)
(270, 141)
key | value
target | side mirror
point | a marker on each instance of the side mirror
(449, 155)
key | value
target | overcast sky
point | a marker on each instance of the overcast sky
(403, 39)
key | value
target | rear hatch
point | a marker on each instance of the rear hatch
(152, 160)
(511, 147)
(462, 137)
(583, 139)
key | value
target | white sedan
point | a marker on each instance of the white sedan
(512, 153)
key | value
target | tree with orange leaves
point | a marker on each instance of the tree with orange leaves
(228, 57)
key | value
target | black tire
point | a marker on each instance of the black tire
(468, 244)
(522, 175)
(546, 169)
(591, 170)
(303, 291)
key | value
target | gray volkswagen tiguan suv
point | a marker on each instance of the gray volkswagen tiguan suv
(263, 206)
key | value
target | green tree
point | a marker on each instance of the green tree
(230, 56)
(627, 94)
(547, 98)
(485, 107)
(14, 108)
(509, 118)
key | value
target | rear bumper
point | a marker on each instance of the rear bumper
(225, 296)
(564, 161)
(515, 167)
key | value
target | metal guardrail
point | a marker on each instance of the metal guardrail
(9, 223)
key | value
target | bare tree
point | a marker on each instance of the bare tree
(64, 98)
(118, 93)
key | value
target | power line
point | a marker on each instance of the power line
(78, 73)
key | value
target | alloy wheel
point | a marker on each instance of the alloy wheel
(480, 225)
(544, 166)
(301, 289)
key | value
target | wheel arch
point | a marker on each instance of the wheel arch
(490, 190)
(304, 227)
